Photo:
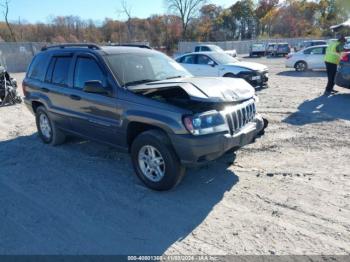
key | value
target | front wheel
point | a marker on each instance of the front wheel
(155, 161)
(300, 66)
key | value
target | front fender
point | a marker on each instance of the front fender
(168, 121)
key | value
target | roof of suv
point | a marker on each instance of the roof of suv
(117, 49)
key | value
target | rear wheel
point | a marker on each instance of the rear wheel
(47, 129)
(300, 66)
(155, 161)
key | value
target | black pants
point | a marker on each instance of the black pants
(331, 72)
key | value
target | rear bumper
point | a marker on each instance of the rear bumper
(199, 150)
(258, 53)
(28, 104)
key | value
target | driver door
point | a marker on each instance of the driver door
(97, 113)
(205, 66)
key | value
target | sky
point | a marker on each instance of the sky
(40, 10)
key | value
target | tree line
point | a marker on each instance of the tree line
(190, 20)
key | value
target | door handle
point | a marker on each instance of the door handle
(75, 97)
(45, 90)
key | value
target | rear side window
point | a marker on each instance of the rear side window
(61, 71)
(189, 59)
(317, 51)
(37, 69)
(87, 70)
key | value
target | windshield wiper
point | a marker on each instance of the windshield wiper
(139, 82)
(173, 77)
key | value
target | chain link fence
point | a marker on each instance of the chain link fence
(17, 56)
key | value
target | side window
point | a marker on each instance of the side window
(317, 51)
(61, 71)
(308, 51)
(205, 49)
(87, 69)
(188, 59)
(203, 60)
(37, 69)
(197, 49)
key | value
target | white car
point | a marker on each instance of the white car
(309, 58)
(214, 64)
(215, 48)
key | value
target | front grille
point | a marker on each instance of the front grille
(241, 115)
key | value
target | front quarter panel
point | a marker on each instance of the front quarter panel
(136, 108)
(232, 70)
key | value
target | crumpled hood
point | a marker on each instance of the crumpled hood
(251, 66)
(206, 89)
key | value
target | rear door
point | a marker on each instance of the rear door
(189, 62)
(56, 87)
(316, 58)
(96, 114)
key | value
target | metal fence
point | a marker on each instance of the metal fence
(17, 56)
(242, 47)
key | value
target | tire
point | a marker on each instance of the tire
(48, 131)
(172, 170)
(300, 66)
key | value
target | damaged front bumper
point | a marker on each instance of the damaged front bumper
(259, 80)
(193, 150)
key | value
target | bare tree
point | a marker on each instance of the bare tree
(5, 7)
(126, 9)
(186, 9)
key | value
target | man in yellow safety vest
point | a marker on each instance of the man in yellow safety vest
(332, 59)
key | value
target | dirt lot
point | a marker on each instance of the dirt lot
(288, 193)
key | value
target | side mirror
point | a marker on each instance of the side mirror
(95, 87)
(212, 63)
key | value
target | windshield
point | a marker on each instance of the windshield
(216, 48)
(258, 46)
(137, 68)
(223, 58)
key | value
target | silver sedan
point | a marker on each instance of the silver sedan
(309, 58)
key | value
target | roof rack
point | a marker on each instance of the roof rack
(132, 45)
(62, 46)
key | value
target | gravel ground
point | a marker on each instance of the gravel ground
(288, 193)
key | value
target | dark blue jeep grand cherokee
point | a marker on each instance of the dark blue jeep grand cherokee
(139, 101)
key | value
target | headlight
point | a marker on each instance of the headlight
(207, 123)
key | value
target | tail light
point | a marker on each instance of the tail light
(24, 89)
(345, 57)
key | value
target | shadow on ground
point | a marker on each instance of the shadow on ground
(83, 198)
(320, 109)
(303, 74)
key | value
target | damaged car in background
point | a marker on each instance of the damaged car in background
(142, 102)
(215, 64)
